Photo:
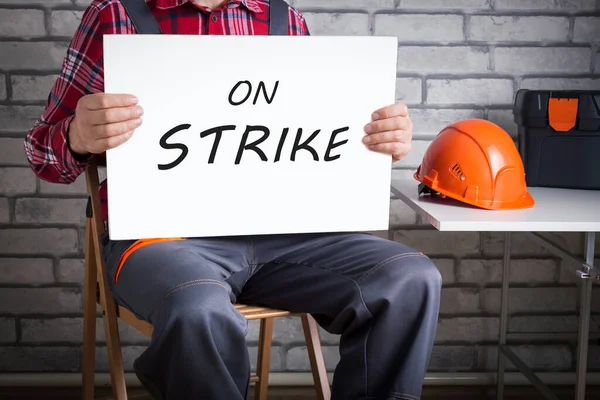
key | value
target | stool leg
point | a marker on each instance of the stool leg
(264, 358)
(315, 355)
(89, 318)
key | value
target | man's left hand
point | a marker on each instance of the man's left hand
(390, 131)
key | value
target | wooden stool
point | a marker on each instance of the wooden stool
(96, 291)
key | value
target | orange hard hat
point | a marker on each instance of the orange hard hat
(476, 162)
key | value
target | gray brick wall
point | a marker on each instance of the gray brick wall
(458, 59)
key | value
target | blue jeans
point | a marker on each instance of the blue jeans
(380, 296)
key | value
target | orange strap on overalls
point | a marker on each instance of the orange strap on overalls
(136, 246)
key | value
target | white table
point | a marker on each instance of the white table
(556, 210)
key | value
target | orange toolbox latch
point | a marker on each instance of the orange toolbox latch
(562, 113)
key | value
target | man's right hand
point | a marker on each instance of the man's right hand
(102, 122)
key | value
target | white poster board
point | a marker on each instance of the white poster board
(186, 86)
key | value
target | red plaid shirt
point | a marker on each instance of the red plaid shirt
(82, 71)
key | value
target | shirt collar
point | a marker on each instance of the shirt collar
(251, 5)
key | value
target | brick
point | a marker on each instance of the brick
(253, 330)
(26, 271)
(276, 360)
(65, 22)
(297, 358)
(71, 271)
(40, 300)
(434, 59)
(41, 56)
(542, 60)
(40, 359)
(561, 83)
(129, 353)
(446, 268)
(18, 118)
(521, 244)
(415, 157)
(70, 330)
(451, 358)
(505, 120)
(8, 331)
(2, 87)
(409, 90)
(470, 91)
(433, 242)
(17, 181)
(127, 333)
(12, 152)
(555, 299)
(58, 330)
(347, 4)
(421, 27)
(288, 330)
(519, 29)
(76, 188)
(21, 23)
(329, 338)
(325, 24)
(549, 323)
(460, 300)
(587, 29)
(4, 210)
(539, 358)
(445, 5)
(427, 123)
(552, 5)
(474, 330)
(401, 214)
(32, 88)
(59, 211)
(521, 271)
(38, 241)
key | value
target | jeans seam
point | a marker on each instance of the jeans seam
(361, 299)
(184, 286)
(388, 260)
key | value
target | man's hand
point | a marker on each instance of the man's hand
(102, 122)
(390, 131)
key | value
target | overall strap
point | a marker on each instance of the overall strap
(279, 18)
(141, 16)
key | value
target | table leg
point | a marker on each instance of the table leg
(584, 318)
(503, 314)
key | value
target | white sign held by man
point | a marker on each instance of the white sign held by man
(246, 135)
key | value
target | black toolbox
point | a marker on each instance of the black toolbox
(559, 137)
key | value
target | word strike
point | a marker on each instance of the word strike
(254, 146)
(236, 100)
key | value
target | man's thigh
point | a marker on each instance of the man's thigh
(323, 273)
(154, 272)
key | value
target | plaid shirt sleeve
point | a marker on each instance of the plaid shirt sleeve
(298, 25)
(46, 144)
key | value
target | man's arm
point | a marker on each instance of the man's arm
(46, 144)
